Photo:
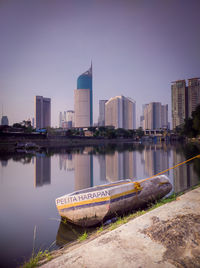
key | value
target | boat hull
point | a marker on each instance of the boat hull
(94, 205)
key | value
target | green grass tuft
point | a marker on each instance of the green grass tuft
(83, 237)
(100, 229)
(35, 259)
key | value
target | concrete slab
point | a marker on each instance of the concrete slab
(168, 236)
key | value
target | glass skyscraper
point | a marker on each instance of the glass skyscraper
(84, 81)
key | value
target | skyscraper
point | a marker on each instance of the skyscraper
(101, 120)
(42, 112)
(193, 94)
(60, 119)
(120, 113)
(155, 116)
(179, 94)
(184, 99)
(83, 104)
(70, 118)
(4, 120)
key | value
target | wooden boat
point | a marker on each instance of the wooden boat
(94, 205)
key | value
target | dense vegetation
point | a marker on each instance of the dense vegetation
(191, 127)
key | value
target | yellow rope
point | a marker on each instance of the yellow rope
(197, 156)
(137, 183)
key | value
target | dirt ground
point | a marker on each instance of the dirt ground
(181, 238)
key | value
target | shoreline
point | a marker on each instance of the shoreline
(170, 220)
(52, 258)
(9, 144)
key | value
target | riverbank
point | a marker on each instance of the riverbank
(8, 144)
(168, 236)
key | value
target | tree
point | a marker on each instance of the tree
(196, 119)
(191, 126)
(139, 132)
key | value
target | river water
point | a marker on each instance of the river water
(29, 184)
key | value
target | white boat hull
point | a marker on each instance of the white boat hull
(94, 205)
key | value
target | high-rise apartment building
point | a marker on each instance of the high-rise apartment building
(184, 99)
(42, 112)
(120, 113)
(179, 94)
(193, 94)
(101, 120)
(155, 116)
(83, 103)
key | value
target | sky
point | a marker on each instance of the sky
(137, 48)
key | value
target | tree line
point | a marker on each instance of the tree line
(191, 126)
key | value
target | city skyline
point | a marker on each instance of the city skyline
(137, 49)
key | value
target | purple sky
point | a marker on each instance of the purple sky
(137, 48)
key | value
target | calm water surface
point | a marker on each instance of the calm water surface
(29, 184)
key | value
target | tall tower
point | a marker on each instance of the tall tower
(193, 94)
(42, 112)
(179, 94)
(83, 104)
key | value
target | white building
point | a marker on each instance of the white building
(120, 113)
(82, 107)
(155, 116)
(101, 119)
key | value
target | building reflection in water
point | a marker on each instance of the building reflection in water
(184, 175)
(155, 159)
(4, 163)
(66, 162)
(42, 170)
(83, 172)
(102, 167)
(120, 166)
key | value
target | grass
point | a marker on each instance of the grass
(36, 258)
(100, 229)
(125, 219)
(83, 237)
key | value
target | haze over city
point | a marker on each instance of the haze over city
(137, 49)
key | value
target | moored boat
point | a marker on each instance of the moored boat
(94, 205)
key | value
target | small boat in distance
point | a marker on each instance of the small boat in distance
(94, 205)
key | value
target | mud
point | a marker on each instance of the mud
(180, 236)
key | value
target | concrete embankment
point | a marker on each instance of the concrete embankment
(168, 236)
